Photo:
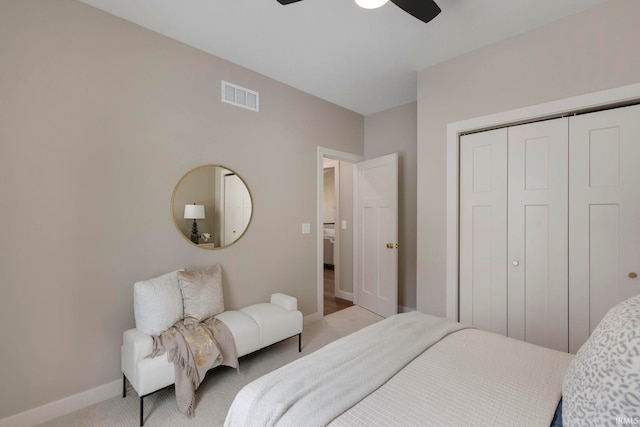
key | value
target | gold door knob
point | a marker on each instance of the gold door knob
(633, 275)
(389, 245)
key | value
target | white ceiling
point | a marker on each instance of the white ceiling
(363, 60)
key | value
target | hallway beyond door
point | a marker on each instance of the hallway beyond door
(331, 302)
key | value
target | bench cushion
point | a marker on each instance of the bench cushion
(244, 329)
(252, 327)
(275, 323)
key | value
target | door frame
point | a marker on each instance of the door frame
(593, 101)
(323, 153)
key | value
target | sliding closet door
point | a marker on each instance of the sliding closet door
(605, 215)
(538, 233)
(483, 231)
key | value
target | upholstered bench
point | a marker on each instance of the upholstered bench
(253, 328)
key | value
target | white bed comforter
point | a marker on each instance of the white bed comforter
(382, 376)
(313, 390)
(470, 378)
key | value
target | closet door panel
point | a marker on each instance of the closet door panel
(604, 206)
(483, 217)
(604, 251)
(538, 233)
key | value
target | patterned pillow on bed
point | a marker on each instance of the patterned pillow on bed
(602, 384)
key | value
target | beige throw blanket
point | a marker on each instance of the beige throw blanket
(194, 348)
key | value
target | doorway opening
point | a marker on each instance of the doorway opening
(334, 230)
(333, 217)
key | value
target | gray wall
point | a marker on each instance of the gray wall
(588, 52)
(99, 119)
(390, 131)
(329, 200)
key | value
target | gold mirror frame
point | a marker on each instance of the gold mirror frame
(192, 189)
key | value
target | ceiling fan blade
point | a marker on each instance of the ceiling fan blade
(424, 10)
(287, 1)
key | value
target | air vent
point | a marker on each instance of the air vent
(240, 96)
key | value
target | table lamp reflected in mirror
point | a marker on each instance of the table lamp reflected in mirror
(194, 212)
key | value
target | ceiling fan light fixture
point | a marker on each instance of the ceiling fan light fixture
(371, 4)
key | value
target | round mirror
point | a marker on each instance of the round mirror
(211, 206)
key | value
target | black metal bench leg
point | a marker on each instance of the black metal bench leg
(124, 394)
(300, 342)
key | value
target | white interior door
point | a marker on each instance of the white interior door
(483, 230)
(604, 206)
(538, 233)
(376, 258)
(237, 208)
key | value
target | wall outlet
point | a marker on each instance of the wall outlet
(306, 228)
(343, 224)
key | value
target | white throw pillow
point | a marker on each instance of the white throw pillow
(602, 383)
(157, 303)
(202, 292)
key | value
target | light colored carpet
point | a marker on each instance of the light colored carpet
(221, 384)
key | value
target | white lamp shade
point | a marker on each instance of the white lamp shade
(193, 211)
(370, 4)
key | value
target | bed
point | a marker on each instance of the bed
(414, 369)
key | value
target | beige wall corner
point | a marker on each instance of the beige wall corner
(391, 131)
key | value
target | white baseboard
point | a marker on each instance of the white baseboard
(63, 406)
(403, 309)
(345, 295)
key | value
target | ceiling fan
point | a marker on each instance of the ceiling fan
(424, 10)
